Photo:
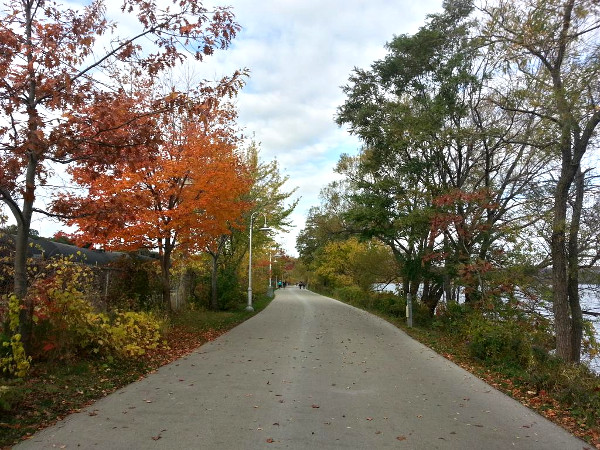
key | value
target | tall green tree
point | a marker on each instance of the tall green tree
(324, 223)
(443, 172)
(354, 263)
(268, 197)
(552, 55)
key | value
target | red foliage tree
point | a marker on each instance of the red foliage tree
(51, 68)
(183, 190)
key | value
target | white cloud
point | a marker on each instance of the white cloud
(300, 53)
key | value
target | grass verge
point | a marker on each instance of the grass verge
(53, 390)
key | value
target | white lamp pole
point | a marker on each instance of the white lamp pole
(270, 288)
(263, 228)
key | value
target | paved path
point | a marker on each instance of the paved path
(308, 373)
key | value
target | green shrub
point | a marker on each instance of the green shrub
(67, 325)
(351, 294)
(421, 315)
(134, 285)
(451, 316)
(9, 396)
(497, 342)
(14, 362)
(574, 385)
(133, 334)
(388, 303)
(65, 321)
(229, 289)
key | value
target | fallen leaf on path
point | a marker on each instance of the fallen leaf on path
(315, 406)
(401, 438)
(270, 441)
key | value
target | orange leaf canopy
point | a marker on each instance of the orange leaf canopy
(187, 189)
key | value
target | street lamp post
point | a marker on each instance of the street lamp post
(263, 228)
(270, 293)
(275, 256)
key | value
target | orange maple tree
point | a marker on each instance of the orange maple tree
(181, 190)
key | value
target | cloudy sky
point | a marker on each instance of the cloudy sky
(300, 52)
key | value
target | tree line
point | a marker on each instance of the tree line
(477, 169)
(155, 161)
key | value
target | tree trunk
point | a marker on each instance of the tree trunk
(21, 283)
(405, 285)
(432, 296)
(414, 287)
(21, 286)
(560, 302)
(573, 271)
(165, 263)
(214, 299)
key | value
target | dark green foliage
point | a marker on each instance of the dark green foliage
(231, 292)
(498, 343)
(133, 284)
(350, 294)
(384, 303)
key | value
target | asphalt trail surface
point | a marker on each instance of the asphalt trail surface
(307, 373)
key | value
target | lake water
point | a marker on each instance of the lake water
(590, 301)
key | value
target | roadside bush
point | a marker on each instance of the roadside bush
(134, 284)
(388, 303)
(133, 334)
(67, 325)
(65, 322)
(10, 395)
(13, 360)
(421, 315)
(229, 289)
(351, 294)
(574, 385)
(497, 342)
(450, 316)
